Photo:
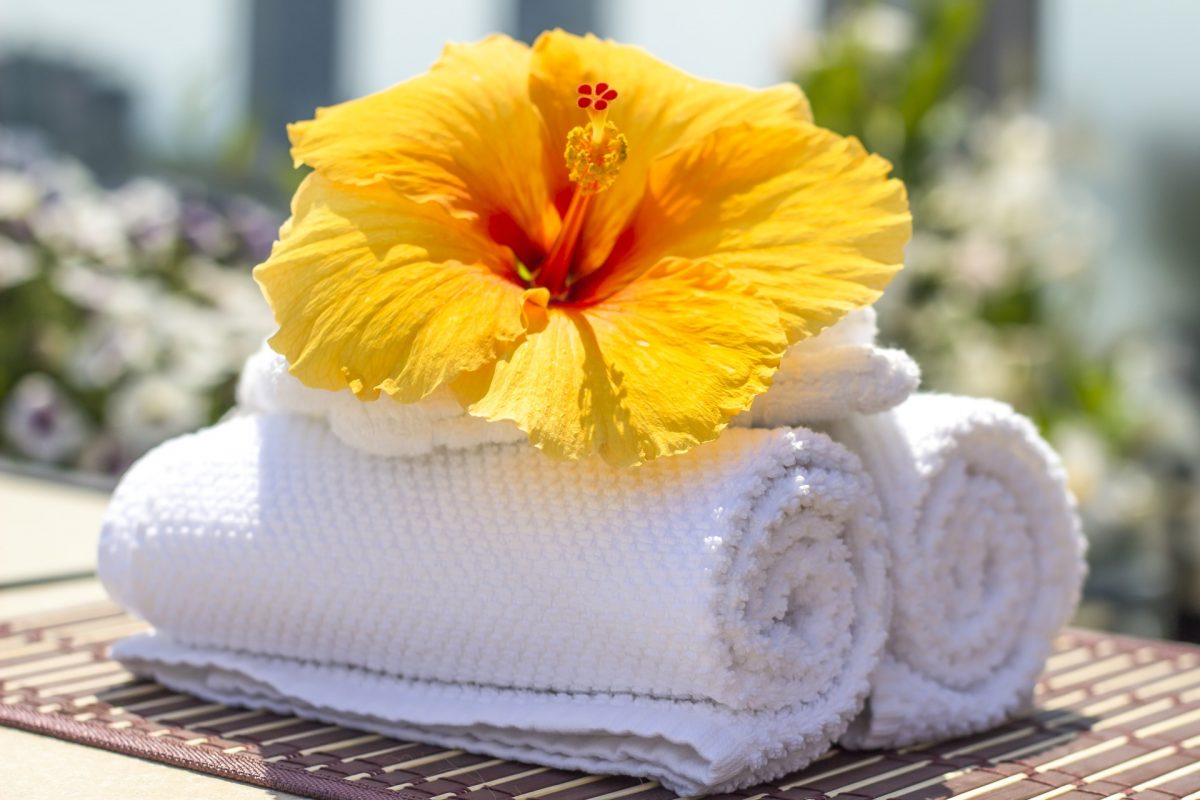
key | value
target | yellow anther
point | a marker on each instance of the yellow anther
(594, 157)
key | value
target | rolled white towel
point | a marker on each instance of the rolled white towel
(838, 372)
(987, 564)
(709, 620)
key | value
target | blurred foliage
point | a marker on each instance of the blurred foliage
(125, 314)
(870, 79)
(1000, 294)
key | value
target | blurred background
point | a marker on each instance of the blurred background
(1052, 151)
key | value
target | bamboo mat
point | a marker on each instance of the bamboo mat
(1116, 718)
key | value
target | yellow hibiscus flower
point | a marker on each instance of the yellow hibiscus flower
(576, 237)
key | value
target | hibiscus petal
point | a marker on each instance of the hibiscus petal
(464, 134)
(807, 217)
(660, 108)
(375, 292)
(659, 367)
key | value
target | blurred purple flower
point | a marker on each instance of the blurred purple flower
(41, 422)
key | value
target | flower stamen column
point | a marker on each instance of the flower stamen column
(594, 156)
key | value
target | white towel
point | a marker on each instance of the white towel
(987, 563)
(836, 373)
(709, 620)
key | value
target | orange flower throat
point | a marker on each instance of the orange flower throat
(594, 156)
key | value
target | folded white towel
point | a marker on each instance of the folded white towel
(836, 373)
(709, 620)
(987, 563)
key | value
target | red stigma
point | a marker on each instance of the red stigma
(600, 100)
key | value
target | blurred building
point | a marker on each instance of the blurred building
(139, 80)
(82, 112)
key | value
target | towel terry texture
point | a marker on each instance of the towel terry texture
(987, 564)
(838, 372)
(710, 620)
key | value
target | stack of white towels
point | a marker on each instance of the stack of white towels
(893, 572)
